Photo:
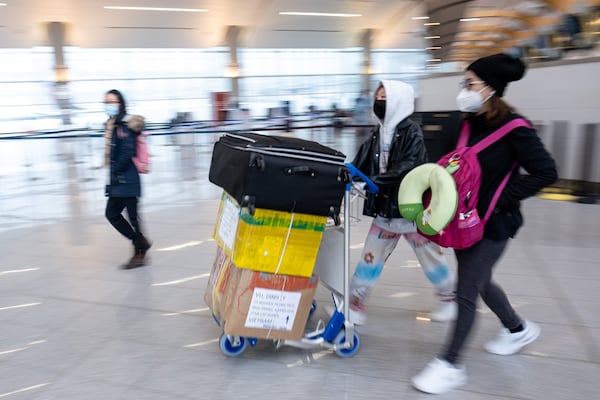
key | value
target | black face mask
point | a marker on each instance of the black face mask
(379, 109)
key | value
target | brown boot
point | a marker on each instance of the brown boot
(136, 261)
(144, 245)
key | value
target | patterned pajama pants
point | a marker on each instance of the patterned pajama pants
(382, 239)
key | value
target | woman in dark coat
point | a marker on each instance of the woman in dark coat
(124, 187)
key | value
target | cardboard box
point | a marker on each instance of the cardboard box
(218, 283)
(269, 241)
(259, 304)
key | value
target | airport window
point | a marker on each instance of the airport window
(25, 84)
(163, 82)
(156, 82)
(404, 65)
(304, 77)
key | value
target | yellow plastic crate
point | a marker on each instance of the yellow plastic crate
(270, 241)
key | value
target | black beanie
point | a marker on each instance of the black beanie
(497, 70)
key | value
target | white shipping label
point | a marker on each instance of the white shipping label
(273, 309)
(228, 223)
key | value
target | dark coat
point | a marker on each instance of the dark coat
(523, 146)
(407, 151)
(124, 177)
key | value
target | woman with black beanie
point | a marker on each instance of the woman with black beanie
(484, 83)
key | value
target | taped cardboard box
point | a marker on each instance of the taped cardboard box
(259, 304)
(215, 295)
(268, 240)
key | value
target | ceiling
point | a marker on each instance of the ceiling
(390, 23)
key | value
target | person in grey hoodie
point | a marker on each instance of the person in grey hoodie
(395, 147)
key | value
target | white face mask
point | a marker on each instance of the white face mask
(470, 101)
(111, 109)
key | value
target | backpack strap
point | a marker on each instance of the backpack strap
(498, 192)
(463, 138)
(488, 141)
(499, 134)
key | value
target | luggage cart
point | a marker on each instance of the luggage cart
(332, 266)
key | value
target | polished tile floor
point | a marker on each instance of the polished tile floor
(74, 326)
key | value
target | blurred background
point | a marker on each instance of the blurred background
(263, 63)
(73, 326)
(196, 68)
(202, 57)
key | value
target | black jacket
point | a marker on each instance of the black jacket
(407, 151)
(523, 146)
(124, 177)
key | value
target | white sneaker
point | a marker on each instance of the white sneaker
(444, 311)
(439, 376)
(358, 315)
(507, 343)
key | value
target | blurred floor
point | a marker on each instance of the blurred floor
(74, 326)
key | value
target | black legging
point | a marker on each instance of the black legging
(475, 278)
(114, 209)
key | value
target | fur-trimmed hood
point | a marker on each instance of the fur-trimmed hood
(135, 122)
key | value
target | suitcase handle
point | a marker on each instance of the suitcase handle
(258, 162)
(300, 170)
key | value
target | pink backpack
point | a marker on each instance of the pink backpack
(142, 155)
(466, 228)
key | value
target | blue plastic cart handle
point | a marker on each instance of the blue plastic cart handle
(371, 186)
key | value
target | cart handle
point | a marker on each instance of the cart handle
(355, 172)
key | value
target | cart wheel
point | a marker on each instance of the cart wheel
(230, 349)
(341, 338)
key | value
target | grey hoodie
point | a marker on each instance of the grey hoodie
(406, 148)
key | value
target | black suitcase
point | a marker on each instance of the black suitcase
(279, 173)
